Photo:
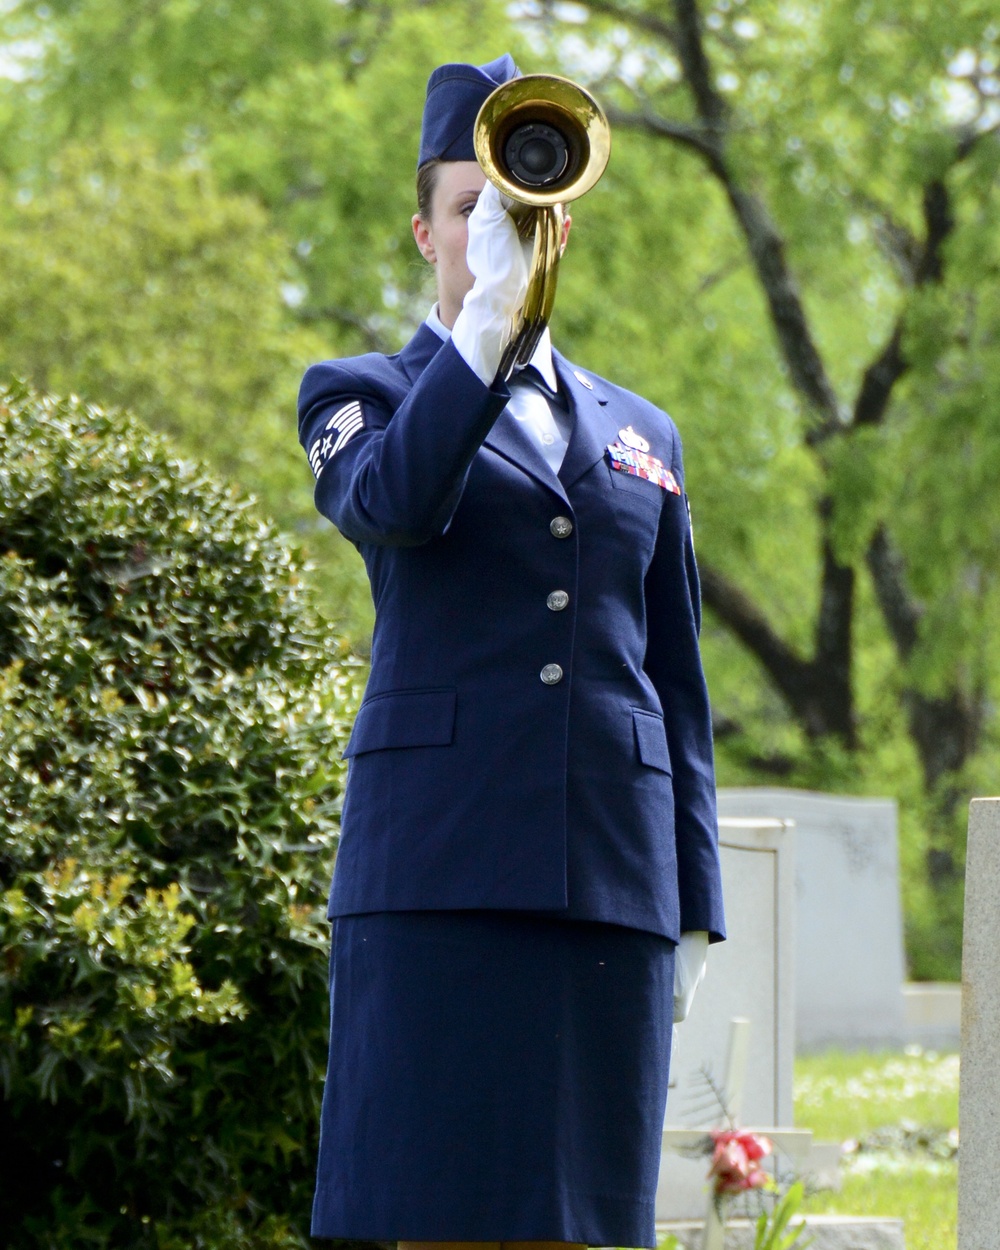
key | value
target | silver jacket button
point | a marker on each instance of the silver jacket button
(551, 674)
(557, 600)
(561, 526)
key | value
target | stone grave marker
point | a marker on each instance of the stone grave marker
(849, 960)
(979, 1088)
(752, 976)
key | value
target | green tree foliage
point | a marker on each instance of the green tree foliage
(794, 250)
(140, 283)
(171, 718)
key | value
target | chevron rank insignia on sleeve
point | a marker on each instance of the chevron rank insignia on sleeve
(337, 433)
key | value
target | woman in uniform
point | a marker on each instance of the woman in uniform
(529, 826)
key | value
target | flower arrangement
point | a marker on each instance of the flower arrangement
(736, 1157)
(735, 1168)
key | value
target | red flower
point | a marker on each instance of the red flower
(735, 1161)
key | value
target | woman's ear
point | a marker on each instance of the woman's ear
(424, 239)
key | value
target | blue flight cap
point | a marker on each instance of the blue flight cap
(455, 94)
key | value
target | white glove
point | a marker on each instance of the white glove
(690, 958)
(496, 259)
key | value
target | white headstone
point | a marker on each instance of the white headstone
(979, 1090)
(850, 966)
(750, 975)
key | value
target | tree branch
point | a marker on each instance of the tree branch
(802, 683)
(939, 222)
(893, 236)
(630, 17)
(805, 366)
(733, 606)
(884, 372)
(695, 137)
(808, 374)
(767, 251)
(834, 628)
(688, 42)
(818, 691)
(900, 610)
(945, 729)
(879, 378)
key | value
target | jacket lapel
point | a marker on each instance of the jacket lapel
(510, 440)
(593, 426)
(506, 435)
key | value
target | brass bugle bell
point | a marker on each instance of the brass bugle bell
(542, 140)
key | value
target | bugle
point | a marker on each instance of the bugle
(542, 141)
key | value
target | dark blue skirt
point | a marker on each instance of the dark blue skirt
(494, 1076)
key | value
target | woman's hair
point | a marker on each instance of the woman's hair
(426, 182)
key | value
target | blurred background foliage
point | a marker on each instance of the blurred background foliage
(795, 250)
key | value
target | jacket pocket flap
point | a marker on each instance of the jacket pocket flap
(651, 739)
(403, 718)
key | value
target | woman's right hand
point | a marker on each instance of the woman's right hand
(499, 262)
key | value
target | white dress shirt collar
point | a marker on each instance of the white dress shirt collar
(542, 358)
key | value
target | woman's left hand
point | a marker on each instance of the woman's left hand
(690, 959)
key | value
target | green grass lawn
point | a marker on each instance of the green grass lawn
(904, 1170)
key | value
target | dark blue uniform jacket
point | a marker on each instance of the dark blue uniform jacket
(474, 782)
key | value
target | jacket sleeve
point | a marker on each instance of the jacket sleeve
(673, 662)
(394, 478)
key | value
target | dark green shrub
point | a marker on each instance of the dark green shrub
(172, 713)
